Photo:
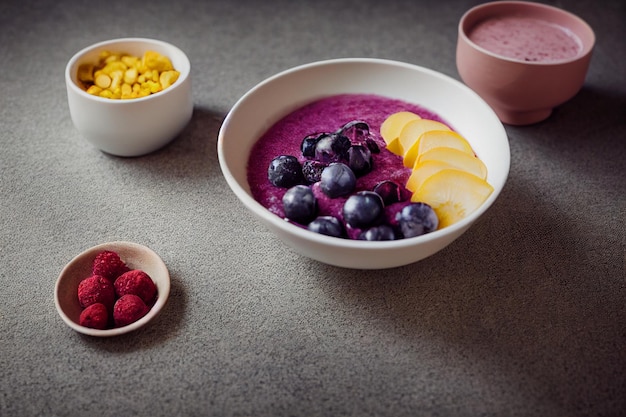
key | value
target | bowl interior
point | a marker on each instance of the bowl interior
(136, 257)
(132, 46)
(277, 96)
(542, 12)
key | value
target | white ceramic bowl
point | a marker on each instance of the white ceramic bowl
(279, 95)
(136, 257)
(131, 127)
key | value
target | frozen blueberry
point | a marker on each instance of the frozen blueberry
(389, 191)
(382, 232)
(337, 180)
(417, 219)
(359, 160)
(332, 148)
(356, 131)
(300, 204)
(372, 145)
(327, 225)
(308, 144)
(312, 170)
(363, 209)
(285, 171)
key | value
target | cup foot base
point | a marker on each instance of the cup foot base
(518, 118)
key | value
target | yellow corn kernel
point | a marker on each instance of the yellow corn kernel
(127, 90)
(116, 79)
(104, 55)
(106, 94)
(154, 60)
(102, 81)
(94, 90)
(112, 58)
(114, 66)
(155, 76)
(130, 76)
(168, 78)
(129, 60)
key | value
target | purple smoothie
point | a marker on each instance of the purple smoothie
(328, 115)
(526, 39)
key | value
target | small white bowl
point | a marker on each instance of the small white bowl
(279, 95)
(130, 127)
(136, 257)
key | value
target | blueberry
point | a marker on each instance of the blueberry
(312, 170)
(356, 131)
(372, 145)
(417, 219)
(285, 171)
(389, 191)
(337, 180)
(359, 160)
(327, 225)
(363, 209)
(382, 232)
(308, 144)
(332, 148)
(300, 204)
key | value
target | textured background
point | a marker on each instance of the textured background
(523, 316)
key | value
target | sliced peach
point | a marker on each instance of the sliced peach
(393, 125)
(443, 138)
(412, 132)
(456, 158)
(453, 194)
(423, 171)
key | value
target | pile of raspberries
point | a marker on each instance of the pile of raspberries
(114, 295)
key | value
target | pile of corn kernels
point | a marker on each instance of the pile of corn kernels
(122, 76)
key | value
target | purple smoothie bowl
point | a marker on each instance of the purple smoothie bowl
(274, 98)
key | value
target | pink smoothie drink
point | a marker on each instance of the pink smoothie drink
(526, 39)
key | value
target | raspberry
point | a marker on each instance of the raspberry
(109, 265)
(128, 309)
(96, 316)
(136, 282)
(96, 289)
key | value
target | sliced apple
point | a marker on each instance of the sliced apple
(392, 126)
(456, 158)
(453, 194)
(411, 133)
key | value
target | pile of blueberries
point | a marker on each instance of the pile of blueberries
(336, 160)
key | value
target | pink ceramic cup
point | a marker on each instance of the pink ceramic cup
(523, 89)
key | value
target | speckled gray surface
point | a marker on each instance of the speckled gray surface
(523, 316)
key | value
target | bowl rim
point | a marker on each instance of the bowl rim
(586, 51)
(258, 209)
(184, 74)
(164, 290)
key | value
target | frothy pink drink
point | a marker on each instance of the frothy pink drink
(526, 39)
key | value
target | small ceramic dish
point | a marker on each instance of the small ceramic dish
(134, 126)
(523, 58)
(136, 257)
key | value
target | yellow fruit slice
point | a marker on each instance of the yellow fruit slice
(453, 194)
(393, 125)
(443, 138)
(456, 158)
(423, 171)
(414, 129)
(395, 147)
